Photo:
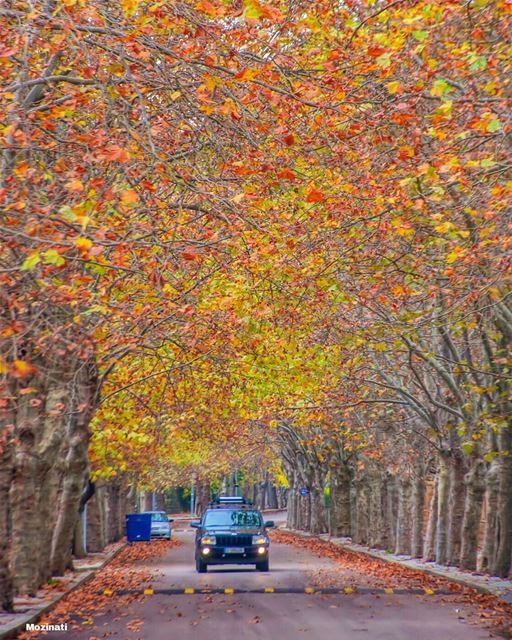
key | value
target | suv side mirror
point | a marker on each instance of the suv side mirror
(269, 524)
(170, 519)
(195, 525)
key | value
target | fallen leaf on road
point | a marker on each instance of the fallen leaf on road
(255, 620)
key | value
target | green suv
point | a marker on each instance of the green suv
(231, 531)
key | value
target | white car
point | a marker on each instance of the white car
(160, 525)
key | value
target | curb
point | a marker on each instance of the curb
(19, 626)
(465, 582)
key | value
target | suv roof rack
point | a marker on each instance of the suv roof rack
(223, 501)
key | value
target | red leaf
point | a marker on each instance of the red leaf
(286, 174)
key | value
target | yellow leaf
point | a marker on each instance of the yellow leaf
(84, 244)
(453, 256)
(74, 185)
(393, 87)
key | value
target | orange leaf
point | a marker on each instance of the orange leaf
(129, 197)
(74, 185)
(375, 52)
(314, 195)
(22, 369)
(189, 254)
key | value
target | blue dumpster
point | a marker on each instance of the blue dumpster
(138, 527)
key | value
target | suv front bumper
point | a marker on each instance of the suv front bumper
(247, 555)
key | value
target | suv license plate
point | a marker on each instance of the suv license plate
(234, 550)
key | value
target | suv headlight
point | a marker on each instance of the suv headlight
(208, 540)
(259, 539)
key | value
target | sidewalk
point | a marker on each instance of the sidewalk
(30, 609)
(483, 583)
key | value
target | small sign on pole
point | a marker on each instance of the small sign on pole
(303, 491)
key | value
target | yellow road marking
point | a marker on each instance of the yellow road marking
(269, 589)
(188, 590)
(229, 590)
(388, 590)
(148, 592)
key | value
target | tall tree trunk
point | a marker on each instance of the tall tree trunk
(317, 523)
(418, 506)
(491, 514)
(429, 544)
(271, 496)
(503, 545)
(456, 508)
(391, 510)
(84, 386)
(403, 526)
(361, 512)
(472, 512)
(6, 586)
(442, 509)
(203, 493)
(339, 485)
(96, 540)
(377, 529)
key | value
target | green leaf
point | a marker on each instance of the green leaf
(420, 35)
(252, 11)
(31, 261)
(384, 60)
(440, 87)
(467, 447)
(53, 257)
(493, 126)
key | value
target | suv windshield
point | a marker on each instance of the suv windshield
(232, 518)
(158, 517)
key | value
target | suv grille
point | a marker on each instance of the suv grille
(234, 541)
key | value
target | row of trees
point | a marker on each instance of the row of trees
(256, 235)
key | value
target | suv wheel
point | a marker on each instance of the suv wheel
(201, 567)
(262, 566)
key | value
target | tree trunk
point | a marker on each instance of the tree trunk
(282, 498)
(79, 550)
(491, 514)
(6, 585)
(95, 535)
(403, 522)
(377, 528)
(81, 407)
(456, 508)
(361, 512)
(472, 512)
(271, 496)
(317, 522)
(203, 493)
(429, 544)
(339, 485)
(390, 510)
(442, 509)
(418, 506)
(503, 545)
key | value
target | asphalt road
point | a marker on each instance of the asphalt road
(273, 616)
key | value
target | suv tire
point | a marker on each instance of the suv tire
(262, 566)
(201, 567)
